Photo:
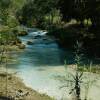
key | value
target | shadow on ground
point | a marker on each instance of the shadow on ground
(5, 98)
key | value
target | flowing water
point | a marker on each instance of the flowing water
(40, 62)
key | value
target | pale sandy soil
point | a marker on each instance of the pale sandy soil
(13, 88)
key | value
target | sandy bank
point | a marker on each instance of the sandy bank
(12, 88)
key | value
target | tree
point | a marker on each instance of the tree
(36, 10)
(4, 5)
(66, 8)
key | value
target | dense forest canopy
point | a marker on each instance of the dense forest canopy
(80, 9)
(52, 15)
(37, 9)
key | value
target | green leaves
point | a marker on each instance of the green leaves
(36, 10)
(12, 21)
(4, 4)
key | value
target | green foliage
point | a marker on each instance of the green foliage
(80, 10)
(7, 38)
(12, 21)
(8, 20)
(36, 10)
(17, 5)
(76, 79)
(4, 4)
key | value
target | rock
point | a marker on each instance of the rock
(19, 41)
(45, 39)
(29, 42)
(27, 93)
(16, 42)
(3, 74)
(12, 43)
(21, 46)
(22, 33)
(20, 91)
(37, 36)
(9, 78)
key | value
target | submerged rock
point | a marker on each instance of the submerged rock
(29, 42)
(21, 46)
(19, 41)
(45, 38)
(37, 36)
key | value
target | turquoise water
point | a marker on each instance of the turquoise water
(40, 62)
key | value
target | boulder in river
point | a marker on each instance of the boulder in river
(29, 42)
(37, 36)
(19, 41)
(15, 42)
(21, 46)
(45, 38)
(22, 33)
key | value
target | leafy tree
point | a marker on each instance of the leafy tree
(36, 10)
(4, 5)
(72, 9)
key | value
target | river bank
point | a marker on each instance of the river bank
(12, 88)
(39, 63)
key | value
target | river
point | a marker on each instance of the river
(40, 62)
